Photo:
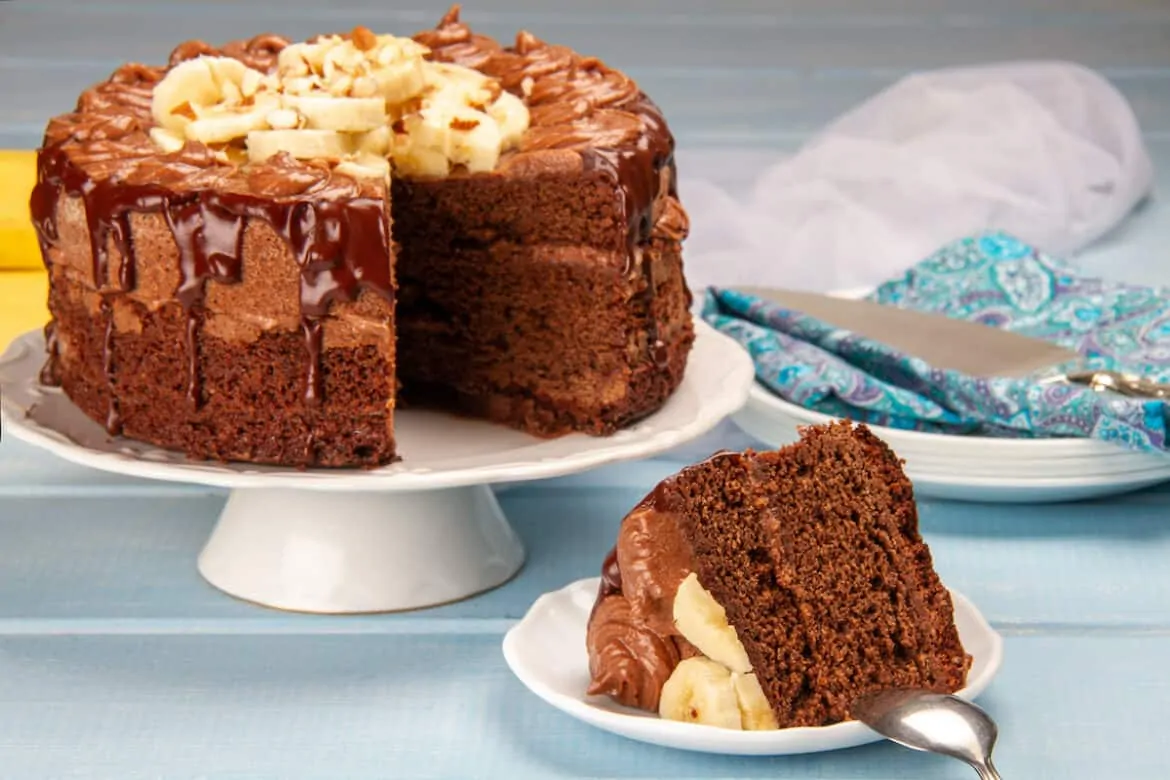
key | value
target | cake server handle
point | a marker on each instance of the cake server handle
(1123, 384)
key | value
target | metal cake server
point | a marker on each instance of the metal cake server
(968, 347)
(933, 723)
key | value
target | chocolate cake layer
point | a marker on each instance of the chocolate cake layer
(505, 348)
(246, 390)
(287, 262)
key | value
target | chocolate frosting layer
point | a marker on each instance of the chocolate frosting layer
(631, 639)
(336, 227)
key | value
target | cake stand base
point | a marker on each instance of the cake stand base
(354, 552)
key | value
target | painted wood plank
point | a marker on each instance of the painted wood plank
(137, 707)
(89, 32)
(27, 471)
(667, 11)
(72, 561)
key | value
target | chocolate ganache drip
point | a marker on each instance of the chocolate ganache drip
(578, 103)
(335, 227)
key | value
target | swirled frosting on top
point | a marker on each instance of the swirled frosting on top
(576, 104)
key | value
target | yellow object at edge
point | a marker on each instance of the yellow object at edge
(18, 241)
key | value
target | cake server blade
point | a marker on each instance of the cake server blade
(969, 347)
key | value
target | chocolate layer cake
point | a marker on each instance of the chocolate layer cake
(506, 244)
(765, 590)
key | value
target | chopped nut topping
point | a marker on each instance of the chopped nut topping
(184, 109)
(363, 38)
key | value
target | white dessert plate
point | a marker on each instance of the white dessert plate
(546, 651)
(977, 468)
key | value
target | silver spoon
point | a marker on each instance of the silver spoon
(932, 722)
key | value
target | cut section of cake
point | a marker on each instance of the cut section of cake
(535, 297)
(257, 251)
(795, 579)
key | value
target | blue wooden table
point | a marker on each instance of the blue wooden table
(117, 661)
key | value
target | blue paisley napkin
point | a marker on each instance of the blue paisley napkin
(993, 279)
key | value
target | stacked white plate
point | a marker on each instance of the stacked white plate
(973, 468)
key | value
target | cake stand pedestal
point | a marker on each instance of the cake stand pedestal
(308, 551)
(421, 532)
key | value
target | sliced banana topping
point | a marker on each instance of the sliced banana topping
(345, 114)
(365, 65)
(702, 622)
(754, 711)
(464, 119)
(226, 125)
(302, 144)
(365, 166)
(205, 86)
(717, 688)
(364, 104)
(167, 140)
(700, 690)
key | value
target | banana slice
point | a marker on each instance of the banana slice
(284, 119)
(334, 100)
(344, 114)
(700, 690)
(376, 141)
(301, 144)
(400, 81)
(411, 159)
(235, 79)
(167, 140)
(224, 126)
(754, 711)
(703, 623)
(512, 116)
(461, 134)
(365, 166)
(459, 121)
(195, 85)
(478, 147)
(185, 86)
(464, 84)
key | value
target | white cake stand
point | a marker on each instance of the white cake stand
(421, 532)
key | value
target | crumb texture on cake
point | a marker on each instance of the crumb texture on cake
(815, 554)
(186, 290)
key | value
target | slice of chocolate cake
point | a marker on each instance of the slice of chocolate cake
(764, 590)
